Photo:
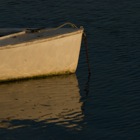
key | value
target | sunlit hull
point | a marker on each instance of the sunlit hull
(27, 55)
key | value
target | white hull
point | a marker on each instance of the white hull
(25, 55)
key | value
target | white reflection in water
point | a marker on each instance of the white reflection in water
(51, 100)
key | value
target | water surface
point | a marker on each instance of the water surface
(102, 106)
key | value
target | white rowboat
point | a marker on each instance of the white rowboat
(33, 53)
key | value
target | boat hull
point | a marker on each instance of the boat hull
(41, 57)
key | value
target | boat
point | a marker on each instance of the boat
(29, 53)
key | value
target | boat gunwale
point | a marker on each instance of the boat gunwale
(12, 35)
(38, 40)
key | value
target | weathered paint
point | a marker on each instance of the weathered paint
(39, 57)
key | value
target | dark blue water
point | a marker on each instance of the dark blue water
(107, 105)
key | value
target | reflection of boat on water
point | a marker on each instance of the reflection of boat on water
(54, 99)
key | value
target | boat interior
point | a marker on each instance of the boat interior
(17, 36)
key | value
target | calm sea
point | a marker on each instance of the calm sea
(103, 106)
